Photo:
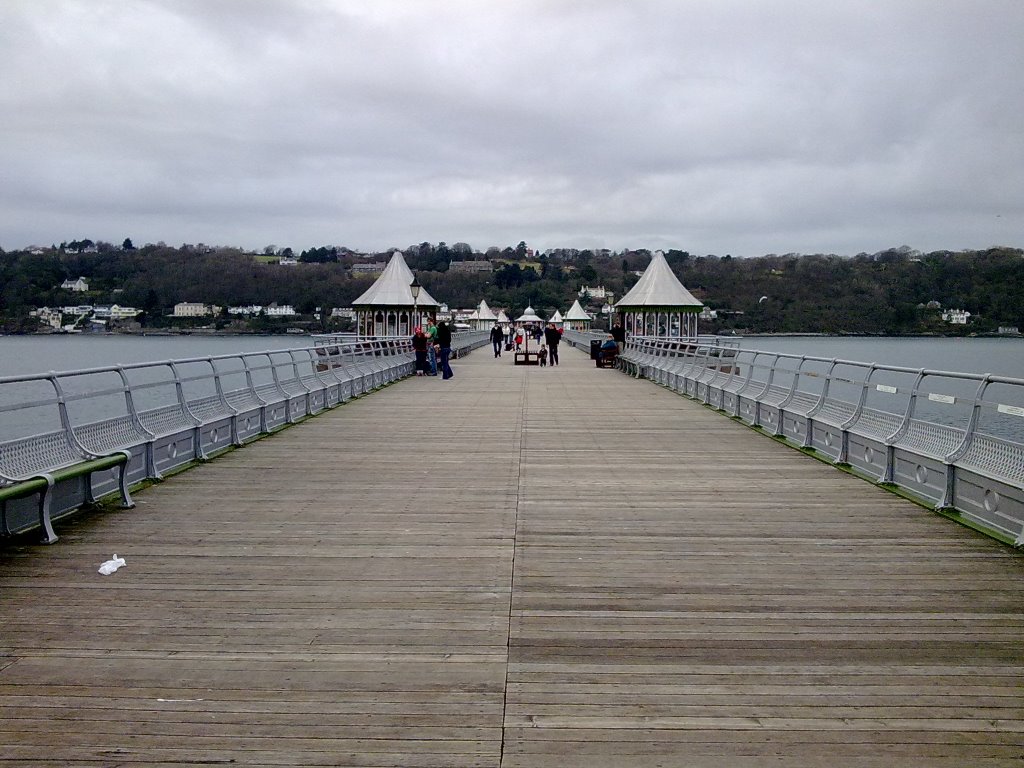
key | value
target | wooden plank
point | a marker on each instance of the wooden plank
(518, 567)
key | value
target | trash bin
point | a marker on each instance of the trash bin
(595, 349)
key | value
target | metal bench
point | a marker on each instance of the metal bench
(42, 483)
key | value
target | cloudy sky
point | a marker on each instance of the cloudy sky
(721, 126)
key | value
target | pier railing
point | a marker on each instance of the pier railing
(952, 440)
(168, 414)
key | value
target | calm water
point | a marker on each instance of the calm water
(1004, 357)
(38, 354)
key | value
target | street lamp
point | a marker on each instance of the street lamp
(415, 288)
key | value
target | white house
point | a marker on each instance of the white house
(595, 292)
(956, 316)
(274, 310)
(78, 286)
(115, 312)
(52, 317)
(191, 309)
(252, 309)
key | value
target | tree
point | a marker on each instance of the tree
(127, 245)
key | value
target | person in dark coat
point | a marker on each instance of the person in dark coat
(609, 348)
(619, 334)
(551, 339)
(444, 340)
(419, 346)
(497, 339)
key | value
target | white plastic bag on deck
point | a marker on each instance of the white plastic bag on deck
(111, 565)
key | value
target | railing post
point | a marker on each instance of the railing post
(149, 456)
(890, 440)
(232, 411)
(197, 425)
(965, 443)
(767, 386)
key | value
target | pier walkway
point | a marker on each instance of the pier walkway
(559, 567)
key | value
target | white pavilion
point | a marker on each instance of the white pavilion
(658, 305)
(388, 307)
(483, 318)
(529, 316)
(576, 318)
(503, 321)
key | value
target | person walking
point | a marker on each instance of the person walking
(444, 339)
(551, 338)
(497, 339)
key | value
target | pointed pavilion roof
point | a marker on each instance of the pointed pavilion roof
(557, 317)
(659, 287)
(576, 312)
(484, 313)
(391, 289)
(502, 317)
(529, 316)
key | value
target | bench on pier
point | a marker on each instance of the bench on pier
(527, 358)
(43, 482)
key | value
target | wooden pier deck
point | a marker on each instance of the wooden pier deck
(526, 567)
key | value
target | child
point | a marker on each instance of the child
(543, 352)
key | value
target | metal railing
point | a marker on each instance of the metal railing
(171, 413)
(952, 440)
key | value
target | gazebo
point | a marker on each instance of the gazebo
(557, 319)
(659, 305)
(526, 357)
(503, 321)
(483, 318)
(529, 316)
(388, 307)
(577, 318)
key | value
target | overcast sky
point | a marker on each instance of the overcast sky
(724, 126)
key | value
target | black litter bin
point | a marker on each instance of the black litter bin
(595, 349)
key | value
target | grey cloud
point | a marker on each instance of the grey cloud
(740, 126)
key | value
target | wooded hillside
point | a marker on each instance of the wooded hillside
(897, 291)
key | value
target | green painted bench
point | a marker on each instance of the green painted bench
(44, 482)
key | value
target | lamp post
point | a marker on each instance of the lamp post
(415, 287)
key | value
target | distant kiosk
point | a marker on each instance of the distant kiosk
(388, 308)
(483, 319)
(576, 318)
(658, 305)
(526, 357)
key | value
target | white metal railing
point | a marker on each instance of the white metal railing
(170, 413)
(953, 440)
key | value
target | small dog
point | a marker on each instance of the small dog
(543, 355)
